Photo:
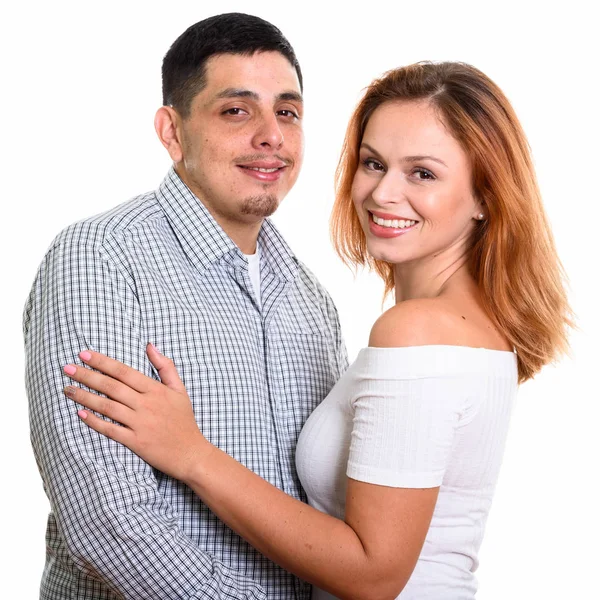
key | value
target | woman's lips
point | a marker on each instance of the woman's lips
(387, 232)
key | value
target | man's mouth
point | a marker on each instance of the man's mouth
(265, 171)
(263, 165)
(262, 169)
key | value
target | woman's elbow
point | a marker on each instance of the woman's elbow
(383, 587)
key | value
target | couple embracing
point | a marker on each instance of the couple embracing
(195, 421)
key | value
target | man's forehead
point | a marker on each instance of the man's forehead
(254, 73)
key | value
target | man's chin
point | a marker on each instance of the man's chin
(263, 205)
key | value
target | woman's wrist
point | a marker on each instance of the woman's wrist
(200, 451)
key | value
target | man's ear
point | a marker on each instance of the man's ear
(167, 125)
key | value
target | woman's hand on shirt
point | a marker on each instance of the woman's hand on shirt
(156, 417)
(370, 554)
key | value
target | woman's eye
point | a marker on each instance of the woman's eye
(373, 165)
(423, 174)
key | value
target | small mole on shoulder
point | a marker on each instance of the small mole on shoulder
(465, 318)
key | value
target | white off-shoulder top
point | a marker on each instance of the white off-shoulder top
(417, 417)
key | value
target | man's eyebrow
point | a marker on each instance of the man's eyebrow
(410, 159)
(236, 93)
(291, 96)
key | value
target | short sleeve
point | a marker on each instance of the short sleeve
(403, 430)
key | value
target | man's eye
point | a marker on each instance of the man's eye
(234, 111)
(288, 113)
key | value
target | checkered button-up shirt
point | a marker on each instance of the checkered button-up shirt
(159, 269)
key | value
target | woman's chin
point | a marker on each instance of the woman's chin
(385, 255)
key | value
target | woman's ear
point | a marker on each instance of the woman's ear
(480, 213)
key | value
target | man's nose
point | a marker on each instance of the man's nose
(269, 133)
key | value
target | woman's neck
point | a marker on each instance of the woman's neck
(431, 279)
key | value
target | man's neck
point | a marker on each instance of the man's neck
(243, 234)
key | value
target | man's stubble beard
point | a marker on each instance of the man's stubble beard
(260, 206)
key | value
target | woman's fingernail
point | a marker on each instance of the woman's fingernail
(85, 355)
(155, 348)
(83, 414)
(70, 391)
(70, 369)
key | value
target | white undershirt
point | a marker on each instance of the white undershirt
(254, 272)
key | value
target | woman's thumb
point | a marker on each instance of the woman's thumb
(166, 369)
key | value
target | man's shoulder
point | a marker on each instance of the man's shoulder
(126, 217)
(307, 276)
(305, 279)
(309, 281)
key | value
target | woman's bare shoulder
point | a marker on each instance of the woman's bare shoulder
(417, 322)
(435, 321)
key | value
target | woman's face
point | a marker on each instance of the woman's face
(412, 190)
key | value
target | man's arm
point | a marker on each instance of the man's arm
(341, 354)
(117, 527)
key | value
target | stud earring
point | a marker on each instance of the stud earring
(480, 216)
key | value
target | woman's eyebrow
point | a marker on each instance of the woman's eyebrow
(420, 157)
(409, 159)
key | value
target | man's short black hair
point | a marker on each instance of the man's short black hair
(184, 65)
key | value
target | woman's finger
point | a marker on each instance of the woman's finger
(117, 370)
(106, 385)
(166, 369)
(123, 435)
(113, 410)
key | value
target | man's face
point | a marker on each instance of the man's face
(242, 142)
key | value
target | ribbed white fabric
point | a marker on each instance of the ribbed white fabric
(423, 416)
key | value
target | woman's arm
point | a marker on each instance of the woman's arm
(369, 555)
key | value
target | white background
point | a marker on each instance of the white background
(80, 85)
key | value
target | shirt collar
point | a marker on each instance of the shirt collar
(276, 253)
(205, 242)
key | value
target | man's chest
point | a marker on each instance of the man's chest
(253, 375)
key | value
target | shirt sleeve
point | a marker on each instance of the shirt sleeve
(403, 431)
(115, 524)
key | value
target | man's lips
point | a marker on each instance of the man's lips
(263, 164)
(264, 170)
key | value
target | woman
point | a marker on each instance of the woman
(436, 191)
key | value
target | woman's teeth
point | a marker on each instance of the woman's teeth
(395, 223)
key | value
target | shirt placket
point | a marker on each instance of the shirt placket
(275, 291)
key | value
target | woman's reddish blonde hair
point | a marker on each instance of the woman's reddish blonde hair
(513, 256)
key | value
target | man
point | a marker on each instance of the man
(196, 269)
